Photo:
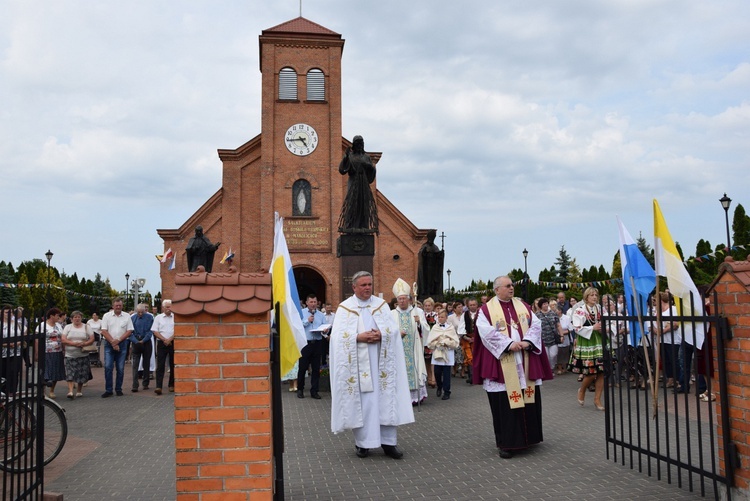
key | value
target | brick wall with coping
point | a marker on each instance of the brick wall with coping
(222, 387)
(732, 286)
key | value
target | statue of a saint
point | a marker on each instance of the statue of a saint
(200, 251)
(430, 272)
(358, 214)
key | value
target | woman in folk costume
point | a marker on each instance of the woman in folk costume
(510, 364)
(587, 358)
(413, 326)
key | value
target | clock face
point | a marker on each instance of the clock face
(301, 139)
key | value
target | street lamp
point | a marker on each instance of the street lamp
(449, 279)
(127, 284)
(726, 202)
(525, 276)
(48, 255)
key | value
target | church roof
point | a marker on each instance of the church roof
(300, 25)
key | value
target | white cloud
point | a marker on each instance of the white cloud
(525, 117)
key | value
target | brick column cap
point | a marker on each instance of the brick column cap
(222, 293)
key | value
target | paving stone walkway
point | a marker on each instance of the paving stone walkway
(123, 448)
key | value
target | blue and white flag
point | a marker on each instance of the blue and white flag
(638, 277)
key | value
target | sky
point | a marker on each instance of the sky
(505, 125)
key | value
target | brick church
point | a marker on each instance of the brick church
(276, 171)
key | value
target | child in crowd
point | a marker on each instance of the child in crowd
(443, 341)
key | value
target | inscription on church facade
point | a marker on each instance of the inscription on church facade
(306, 234)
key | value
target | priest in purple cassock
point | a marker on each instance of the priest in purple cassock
(510, 363)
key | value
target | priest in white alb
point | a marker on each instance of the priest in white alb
(369, 386)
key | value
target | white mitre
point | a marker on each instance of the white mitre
(401, 288)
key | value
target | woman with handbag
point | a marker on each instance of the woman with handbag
(76, 337)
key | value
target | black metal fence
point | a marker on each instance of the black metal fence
(21, 409)
(659, 420)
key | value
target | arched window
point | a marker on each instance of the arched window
(287, 83)
(301, 198)
(316, 85)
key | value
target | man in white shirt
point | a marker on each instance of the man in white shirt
(164, 331)
(116, 328)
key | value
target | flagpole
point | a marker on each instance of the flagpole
(657, 350)
(639, 313)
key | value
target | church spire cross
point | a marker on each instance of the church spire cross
(442, 233)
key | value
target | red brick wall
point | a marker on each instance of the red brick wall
(223, 407)
(734, 303)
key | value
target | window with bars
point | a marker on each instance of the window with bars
(316, 85)
(287, 83)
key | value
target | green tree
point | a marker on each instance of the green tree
(645, 249)
(574, 272)
(563, 264)
(548, 275)
(740, 229)
(49, 292)
(25, 297)
(703, 271)
(8, 291)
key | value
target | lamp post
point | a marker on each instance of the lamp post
(726, 202)
(48, 255)
(449, 280)
(127, 284)
(525, 276)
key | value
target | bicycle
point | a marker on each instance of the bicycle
(19, 429)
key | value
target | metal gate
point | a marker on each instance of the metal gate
(21, 409)
(672, 434)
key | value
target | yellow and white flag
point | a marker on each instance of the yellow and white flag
(668, 264)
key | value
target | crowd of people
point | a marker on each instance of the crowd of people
(502, 343)
(73, 344)
(385, 359)
(382, 357)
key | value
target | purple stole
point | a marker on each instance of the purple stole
(486, 366)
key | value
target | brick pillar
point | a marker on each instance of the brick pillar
(222, 384)
(733, 297)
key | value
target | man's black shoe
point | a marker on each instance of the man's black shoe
(362, 452)
(134, 390)
(315, 396)
(119, 393)
(505, 454)
(393, 451)
(300, 394)
(439, 392)
(106, 394)
(446, 396)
